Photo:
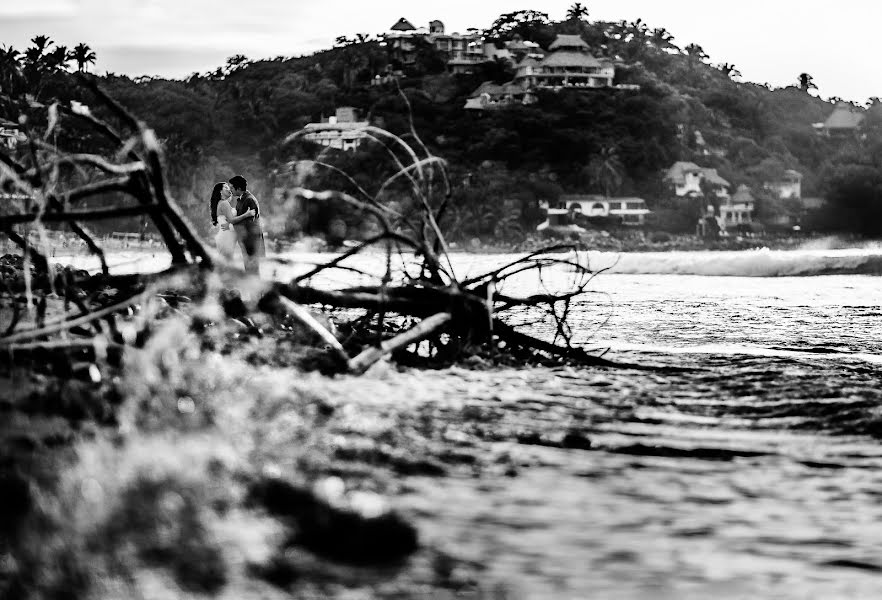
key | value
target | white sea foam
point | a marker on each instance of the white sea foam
(742, 263)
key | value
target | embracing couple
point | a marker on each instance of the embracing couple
(236, 214)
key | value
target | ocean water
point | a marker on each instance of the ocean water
(746, 464)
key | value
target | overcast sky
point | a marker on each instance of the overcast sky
(767, 40)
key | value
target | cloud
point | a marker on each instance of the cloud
(12, 9)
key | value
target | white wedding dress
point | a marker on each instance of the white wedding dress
(225, 239)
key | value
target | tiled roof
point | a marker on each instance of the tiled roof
(516, 45)
(712, 176)
(742, 195)
(567, 58)
(844, 116)
(528, 61)
(463, 61)
(513, 89)
(403, 25)
(492, 89)
(488, 87)
(677, 173)
(568, 41)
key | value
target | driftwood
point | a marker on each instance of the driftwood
(427, 327)
(456, 316)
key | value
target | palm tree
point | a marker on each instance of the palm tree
(236, 63)
(806, 82)
(10, 65)
(82, 55)
(57, 59)
(729, 70)
(696, 52)
(662, 39)
(41, 43)
(605, 170)
(577, 12)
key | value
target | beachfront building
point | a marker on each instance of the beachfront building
(787, 186)
(462, 51)
(343, 130)
(687, 179)
(627, 210)
(738, 208)
(569, 64)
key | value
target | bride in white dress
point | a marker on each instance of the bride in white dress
(224, 216)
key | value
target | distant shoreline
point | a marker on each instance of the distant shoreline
(668, 243)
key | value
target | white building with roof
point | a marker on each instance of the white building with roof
(738, 208)
(687, 177)
(569, 64)
(343, 131)
(628, 210)
(491, 95)
(845, 119)
(462, 50)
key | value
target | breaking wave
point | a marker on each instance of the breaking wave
(742, 263)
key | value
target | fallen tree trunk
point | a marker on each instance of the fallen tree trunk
(427, 327)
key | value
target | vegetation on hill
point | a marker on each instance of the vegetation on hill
(234, 120)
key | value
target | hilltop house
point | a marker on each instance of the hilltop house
(514, 50)
(687, 178)
(491, 96)
(844, 120)
(569, 64)
(342, 131)
(462, 51)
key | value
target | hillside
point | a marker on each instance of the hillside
(503, 162)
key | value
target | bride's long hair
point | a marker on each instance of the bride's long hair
(215, 198)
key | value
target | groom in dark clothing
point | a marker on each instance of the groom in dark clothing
(249, 231)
